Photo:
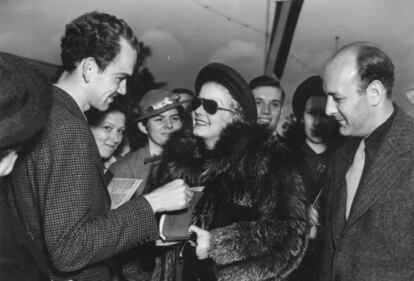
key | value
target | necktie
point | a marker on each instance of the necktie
(353, 176)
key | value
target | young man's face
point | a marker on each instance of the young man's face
(159, 128)
(107, 84)
(269, 103)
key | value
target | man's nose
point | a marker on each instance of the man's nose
(330, 108)
(122, 87)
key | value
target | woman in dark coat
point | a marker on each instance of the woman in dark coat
(251, 222)
(313, 138)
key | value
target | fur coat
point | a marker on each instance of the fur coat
(262, 235)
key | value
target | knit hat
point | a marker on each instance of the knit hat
(25, 100)
(311, 87)
(155, 102)
(232, 81)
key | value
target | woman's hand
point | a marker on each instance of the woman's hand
(203, 241)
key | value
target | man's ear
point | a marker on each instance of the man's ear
(376, 92)
(142, 128)
(89, 69)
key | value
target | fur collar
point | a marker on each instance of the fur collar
(187, 152)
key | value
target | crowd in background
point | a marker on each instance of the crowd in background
(329, 198)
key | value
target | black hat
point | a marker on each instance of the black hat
(25, 100)
(232, 81)
(155, 102)
(311, 87)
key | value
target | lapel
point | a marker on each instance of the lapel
(138, 163)
(386, 167)
(66, 101)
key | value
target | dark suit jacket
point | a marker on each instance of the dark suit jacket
(377, 241)
(60, 193)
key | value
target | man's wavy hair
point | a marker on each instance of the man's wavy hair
(95, 35)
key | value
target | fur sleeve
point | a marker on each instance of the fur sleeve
(274, 245)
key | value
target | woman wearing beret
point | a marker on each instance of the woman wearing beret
(313, 139)
(251, 221)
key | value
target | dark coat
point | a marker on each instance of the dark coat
(377, 240)
(246, 171)
(60, 192)
(20, 259)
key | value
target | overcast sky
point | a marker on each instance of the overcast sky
(185, 36)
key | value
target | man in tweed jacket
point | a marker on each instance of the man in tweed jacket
(59, 188)
(370, 237)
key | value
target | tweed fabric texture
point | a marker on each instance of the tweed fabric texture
(60, 192)
(377, 241)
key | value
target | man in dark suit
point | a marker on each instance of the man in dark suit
(59, 188)
(368, 224)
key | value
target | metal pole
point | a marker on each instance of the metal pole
(267, 35)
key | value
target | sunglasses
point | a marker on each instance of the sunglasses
(210, 106)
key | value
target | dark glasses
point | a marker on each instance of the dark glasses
(210, 106)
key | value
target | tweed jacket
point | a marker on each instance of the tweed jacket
(377, 240)
(247, 173)
(134, 165)
(60, 193)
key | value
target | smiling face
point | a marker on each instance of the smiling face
(159, 128)
(269, 103)
(109, 133)
(210, 126)
(107, 84)
(346, 104)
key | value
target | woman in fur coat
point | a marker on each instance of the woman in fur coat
(251, 222)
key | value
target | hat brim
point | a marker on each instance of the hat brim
(157, 112)
(31, 117)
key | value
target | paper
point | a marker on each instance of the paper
(122, 189)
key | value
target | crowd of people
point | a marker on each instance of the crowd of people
(330, 199)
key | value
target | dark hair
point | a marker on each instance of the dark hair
(373, 64)
(183, 91)
(95, 35)
(95, 117)
(266, 81)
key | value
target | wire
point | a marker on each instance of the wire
(229, 18)
(304, 65)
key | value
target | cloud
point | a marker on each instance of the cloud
(168, 55)
(165, 47)
(245, 57)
